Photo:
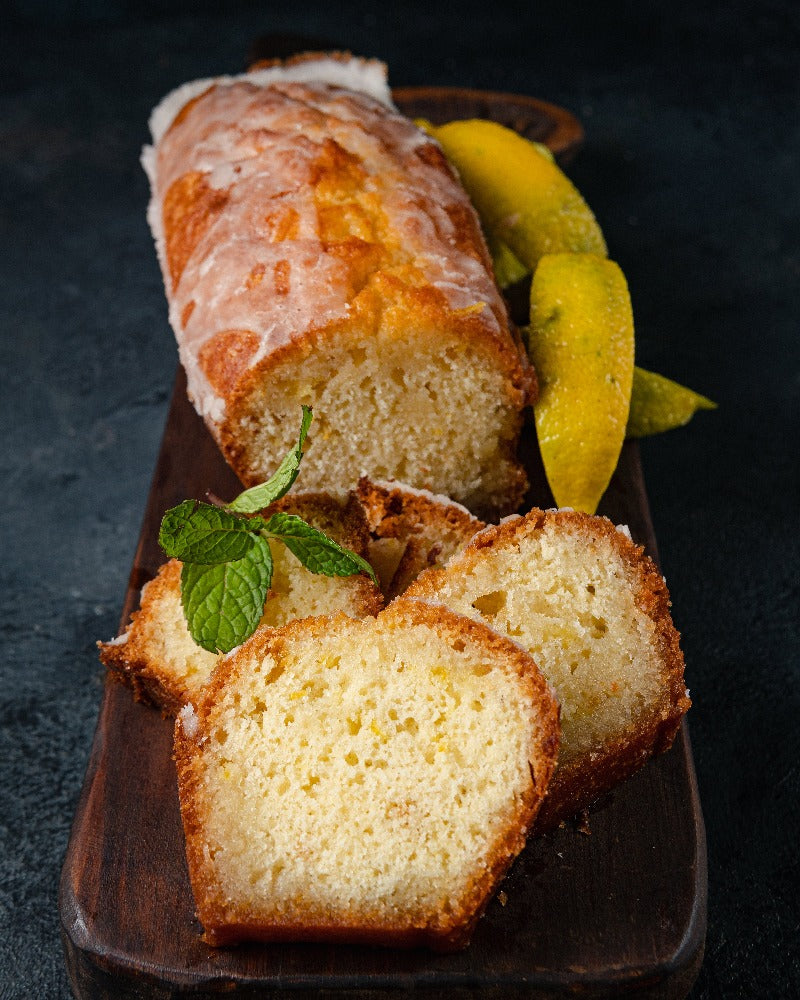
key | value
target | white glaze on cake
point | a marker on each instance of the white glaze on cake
(258, 138)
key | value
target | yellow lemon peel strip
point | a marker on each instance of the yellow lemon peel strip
(508, 268)
(659, 404)
(581, 342)
(523, 198)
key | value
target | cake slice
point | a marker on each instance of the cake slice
(411, 530)
(157, 656)
(593, 611)
(362, 780)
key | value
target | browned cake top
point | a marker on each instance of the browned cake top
(278, 203)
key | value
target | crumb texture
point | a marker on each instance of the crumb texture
(364, 774)
(592, 611)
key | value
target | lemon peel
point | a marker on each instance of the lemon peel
(658, 404)
(508, 268)
(581, 341)
(523, 198)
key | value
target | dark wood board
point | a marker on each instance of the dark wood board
(619, 911)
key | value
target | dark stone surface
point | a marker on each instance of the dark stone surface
(691, 165)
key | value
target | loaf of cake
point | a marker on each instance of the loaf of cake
(411, 530)
(362, 780)
(593, 611)
(317, 248)
(157, 656)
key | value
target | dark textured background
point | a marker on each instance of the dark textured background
(692, 166)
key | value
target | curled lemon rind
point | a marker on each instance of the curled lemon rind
(581, 341)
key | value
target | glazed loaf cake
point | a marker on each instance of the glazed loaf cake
(156, 654)
(593, 611)
(362, 781)
(316, 248)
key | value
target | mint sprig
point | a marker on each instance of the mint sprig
(227, 562)
(200, 533)
(280, 482)
(314, 549)
(223, 602)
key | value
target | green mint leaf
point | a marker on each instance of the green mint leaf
(200, 533)
(223, 603)
(280, 482)
(315, 550)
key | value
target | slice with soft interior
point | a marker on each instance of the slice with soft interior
(593, 611)
(362, 781)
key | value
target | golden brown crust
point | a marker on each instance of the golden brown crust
(428, 529)
(226, 921)
(190, 207)
(344, 520)
(226, 356)
(393, 510)
(577, 787)
(586, 779)
(132, 663)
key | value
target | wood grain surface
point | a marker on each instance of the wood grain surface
(619, 910)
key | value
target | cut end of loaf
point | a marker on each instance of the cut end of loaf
(387, 408)
(363, 781)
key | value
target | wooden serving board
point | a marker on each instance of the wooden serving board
(620, 910)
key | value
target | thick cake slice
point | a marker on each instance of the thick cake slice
(362, 781)
(593, 611)
(157, 656)
(411, 530)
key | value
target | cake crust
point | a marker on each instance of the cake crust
(411, 530)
